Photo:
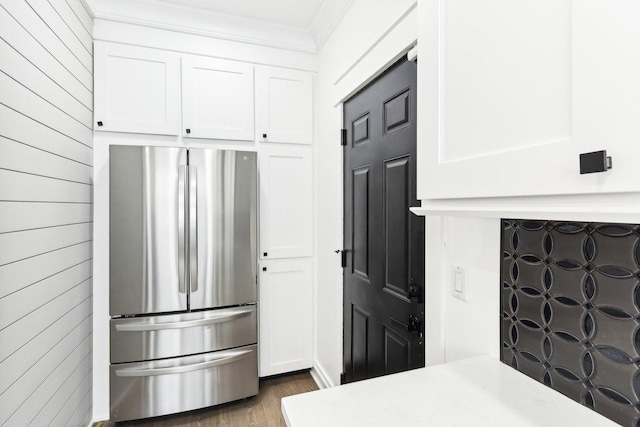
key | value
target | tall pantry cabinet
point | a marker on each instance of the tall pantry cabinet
(284, 101)
(203, 101)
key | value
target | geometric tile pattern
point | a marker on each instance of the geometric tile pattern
(570, 302)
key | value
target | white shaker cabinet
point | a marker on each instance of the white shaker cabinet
(284, 99)
(286, 201)
(511, 93)
(284, 116)
(137, 89)
(285, 316)
(217, 99)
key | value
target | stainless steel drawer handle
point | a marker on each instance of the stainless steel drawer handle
(229, 358)
(142, 327)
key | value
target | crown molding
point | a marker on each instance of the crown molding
(89, 7)
(150, 13)
(203, 32)
(327, 20)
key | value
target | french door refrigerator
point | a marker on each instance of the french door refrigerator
(183, 294)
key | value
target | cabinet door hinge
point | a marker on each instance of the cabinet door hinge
(343, 139)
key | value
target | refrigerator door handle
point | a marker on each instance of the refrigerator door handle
(141, 327)
(193, 229)
(226, 359)
(181, 225)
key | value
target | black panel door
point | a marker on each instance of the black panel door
(384, 273)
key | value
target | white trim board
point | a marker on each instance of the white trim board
(187, 20)
(181, 42)
(616, 207)
(320, 376)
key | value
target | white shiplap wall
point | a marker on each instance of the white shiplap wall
(46, 109)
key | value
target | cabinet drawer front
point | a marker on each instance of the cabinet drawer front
(150, 389)
(157, 337)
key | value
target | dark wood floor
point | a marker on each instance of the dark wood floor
(262, 410)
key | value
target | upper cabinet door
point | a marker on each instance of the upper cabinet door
(284, 102)
(512, 92)
(136, 89)
(286, 201)
(217, 99)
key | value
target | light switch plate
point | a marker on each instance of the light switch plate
(458, 284)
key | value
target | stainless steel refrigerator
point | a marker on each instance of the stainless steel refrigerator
(183, 294)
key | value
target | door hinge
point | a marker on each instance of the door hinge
(343, 256)
(343, 137)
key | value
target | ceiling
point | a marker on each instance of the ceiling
(293, 13)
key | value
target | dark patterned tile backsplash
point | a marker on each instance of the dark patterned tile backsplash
(571, 310)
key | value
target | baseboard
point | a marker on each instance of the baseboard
(320, 377)
(97, 423)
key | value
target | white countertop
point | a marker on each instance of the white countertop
(475, 392)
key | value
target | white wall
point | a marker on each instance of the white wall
(471, 327)
(46, 103)
(369, 38)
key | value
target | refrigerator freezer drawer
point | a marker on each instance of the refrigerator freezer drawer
(160, 387)
(156, 337)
